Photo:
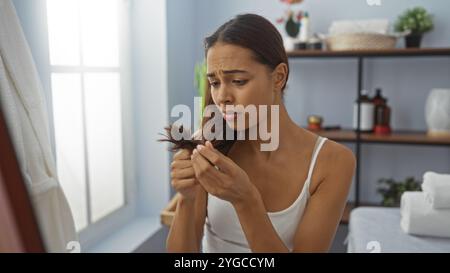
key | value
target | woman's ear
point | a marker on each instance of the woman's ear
(279, 76)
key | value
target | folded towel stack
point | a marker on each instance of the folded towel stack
(437, 189)
(427, 212)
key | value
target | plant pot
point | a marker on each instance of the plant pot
(289, 43)
(413, 40)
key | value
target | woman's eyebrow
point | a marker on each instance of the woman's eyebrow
(234, 71)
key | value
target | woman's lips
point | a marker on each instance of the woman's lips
(229, 116)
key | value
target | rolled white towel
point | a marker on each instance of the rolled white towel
(419, 218)
(437, 189)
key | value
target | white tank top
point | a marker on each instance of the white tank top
(223, 231)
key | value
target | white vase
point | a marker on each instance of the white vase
(437, 112)
(289, 43)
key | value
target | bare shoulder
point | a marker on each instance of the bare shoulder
(335, 164)
(333, 153)
(338, 154)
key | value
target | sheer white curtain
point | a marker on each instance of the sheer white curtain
(23, 104)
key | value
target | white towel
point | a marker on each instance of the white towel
(380, 26)
(419, 218)
(22, 102)
(437, 189)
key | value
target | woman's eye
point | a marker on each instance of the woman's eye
(240, 82)
(214, 84)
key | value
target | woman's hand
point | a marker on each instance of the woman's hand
(221, 177)
(183, 175)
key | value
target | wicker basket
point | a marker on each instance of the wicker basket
(360, 41)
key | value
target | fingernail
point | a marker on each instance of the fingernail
(210, 145)
(199, 147)
(194, 152)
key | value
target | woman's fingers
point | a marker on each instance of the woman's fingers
(181, 184)
(209, 144)
(208, 176)
(181, 164)
(183, 173)
(182, 155)
(200, 164)
(215, 157)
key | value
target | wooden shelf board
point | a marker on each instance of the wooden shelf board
(399, 137)
(396, 52)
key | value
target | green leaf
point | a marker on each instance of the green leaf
(392, 190)
(417, 20)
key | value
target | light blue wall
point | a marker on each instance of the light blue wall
(181, 46)
(328, 87)
(150, 92)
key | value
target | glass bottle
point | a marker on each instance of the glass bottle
(366, 121)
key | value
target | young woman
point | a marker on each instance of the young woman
(235, 197)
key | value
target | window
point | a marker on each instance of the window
(89, 89)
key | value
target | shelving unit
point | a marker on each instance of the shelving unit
(356, 136)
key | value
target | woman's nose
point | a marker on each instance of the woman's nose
(224, 96)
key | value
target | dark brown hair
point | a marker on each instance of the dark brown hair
(250, 31)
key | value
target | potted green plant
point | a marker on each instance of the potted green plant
(392, 190)
(418, 21)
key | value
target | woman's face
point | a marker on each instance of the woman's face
(236, 78)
